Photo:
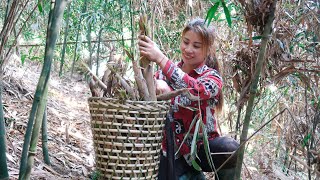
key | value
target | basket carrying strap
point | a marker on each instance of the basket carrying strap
(170, 151)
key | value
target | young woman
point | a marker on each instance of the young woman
(199, 72)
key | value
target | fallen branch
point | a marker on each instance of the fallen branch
(172, 94)
(304, 164)
(100, 83)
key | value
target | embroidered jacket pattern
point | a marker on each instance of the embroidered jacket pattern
(203, 82)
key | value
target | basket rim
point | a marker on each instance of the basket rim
(127, 100)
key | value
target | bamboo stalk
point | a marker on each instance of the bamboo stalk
(84, 9)
(90, 44)
(36, 129)
(54, 22)
(44, 131)
(66, 31)
(3, 160)
(253, 87)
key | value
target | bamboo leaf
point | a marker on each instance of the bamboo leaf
(194, 140)
(129, 54)
(110, 29)
(305, 140)
(195, 165)
(23, 58)
(227, 13)
(211, 12)
(206, 146)
(187, 134)
(254, 38)
(40, 6)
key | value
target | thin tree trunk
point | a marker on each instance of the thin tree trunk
(4, 175)
(44, 131)
(66, 31)
(121, 23)
(36, 100)
(7, 10)
(98, 49)
(3, 160)
(100, 36)
(84, 9)
(6, 31)
(89, 44)
(238, 122)
(36, 128)
(253, 87)
(54, 22)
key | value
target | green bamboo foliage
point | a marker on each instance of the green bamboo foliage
(38, 106)
(3, 160)
(253, 88)
(66, 32)
(44, 131)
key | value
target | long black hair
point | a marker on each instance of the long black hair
(207, 33)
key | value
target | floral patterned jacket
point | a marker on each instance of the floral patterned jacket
(203, 82)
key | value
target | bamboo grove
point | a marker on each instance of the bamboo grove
(271, 67)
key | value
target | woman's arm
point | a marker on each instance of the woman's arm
(207, 86)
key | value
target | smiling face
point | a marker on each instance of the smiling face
(192, 49)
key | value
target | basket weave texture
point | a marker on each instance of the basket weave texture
(127, 137)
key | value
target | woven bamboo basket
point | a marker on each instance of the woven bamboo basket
(127, 137)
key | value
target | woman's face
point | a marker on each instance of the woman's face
(192, 51)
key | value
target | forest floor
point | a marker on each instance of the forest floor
(69, 134)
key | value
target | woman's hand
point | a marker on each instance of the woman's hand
(150, 50)
(162, 87)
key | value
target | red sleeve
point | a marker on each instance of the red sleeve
(206, 86)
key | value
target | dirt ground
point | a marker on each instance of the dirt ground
(69, 134)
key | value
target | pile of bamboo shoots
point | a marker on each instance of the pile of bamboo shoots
(114, 84)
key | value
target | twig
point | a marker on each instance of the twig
(304, 164)
(100, 83)
(172, 94)
(247, 170)
(11, 144)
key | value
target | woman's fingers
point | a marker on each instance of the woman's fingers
(144, 38)
(142, 43)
